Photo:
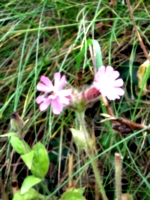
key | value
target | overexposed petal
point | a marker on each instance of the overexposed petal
(62, 82)
(118, 83)
(59, 82)
(109, 70)
(100, 73)
(96, 84)
(114, 75)
(107, 83)
(66, 92)
(112, 96)
(64, 100)
(115, 93)
(119, 91)
(57, 78)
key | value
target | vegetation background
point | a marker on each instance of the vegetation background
(43, 37)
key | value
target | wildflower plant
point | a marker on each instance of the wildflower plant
(59, 95)
(105, 83)
(54, 94)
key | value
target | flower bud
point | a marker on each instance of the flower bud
(81, 139)
(16, 122)
(92, 94)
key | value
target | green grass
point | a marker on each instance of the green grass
(43, 37)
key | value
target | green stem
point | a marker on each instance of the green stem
(91, 155)
(97, 176)
(80, 116)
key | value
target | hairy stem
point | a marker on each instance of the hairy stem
(90, 152)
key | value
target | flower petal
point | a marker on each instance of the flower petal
(114, 93)
(107, 83)
(66, 92)
(56, 79)
(100, 73)
(118, 83)
(109, 70)
(59, 82)
(57, 107)
(40, 99)
(46, 81)
(114, 75)
(44, 105)
(43, 88)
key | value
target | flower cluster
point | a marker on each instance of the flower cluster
(53, 94)
(105, 82)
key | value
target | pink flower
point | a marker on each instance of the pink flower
(53, 94)
(107, 83)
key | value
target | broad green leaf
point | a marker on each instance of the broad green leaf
(28, 158)
(29, 182)
(73, 194)
(32, 194)
(40, 163)
(20, 146)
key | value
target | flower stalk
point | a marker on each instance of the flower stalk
(118, 174)
(90, 153)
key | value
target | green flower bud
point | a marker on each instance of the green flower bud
(16, 122)
(81, 139)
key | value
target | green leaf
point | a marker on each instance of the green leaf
(105, 140)
(29, 182)
(8, 134)
(32, 194)
(40, 163)
(73, 194)
(20, 146)
(97, 52)
(28, 158)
